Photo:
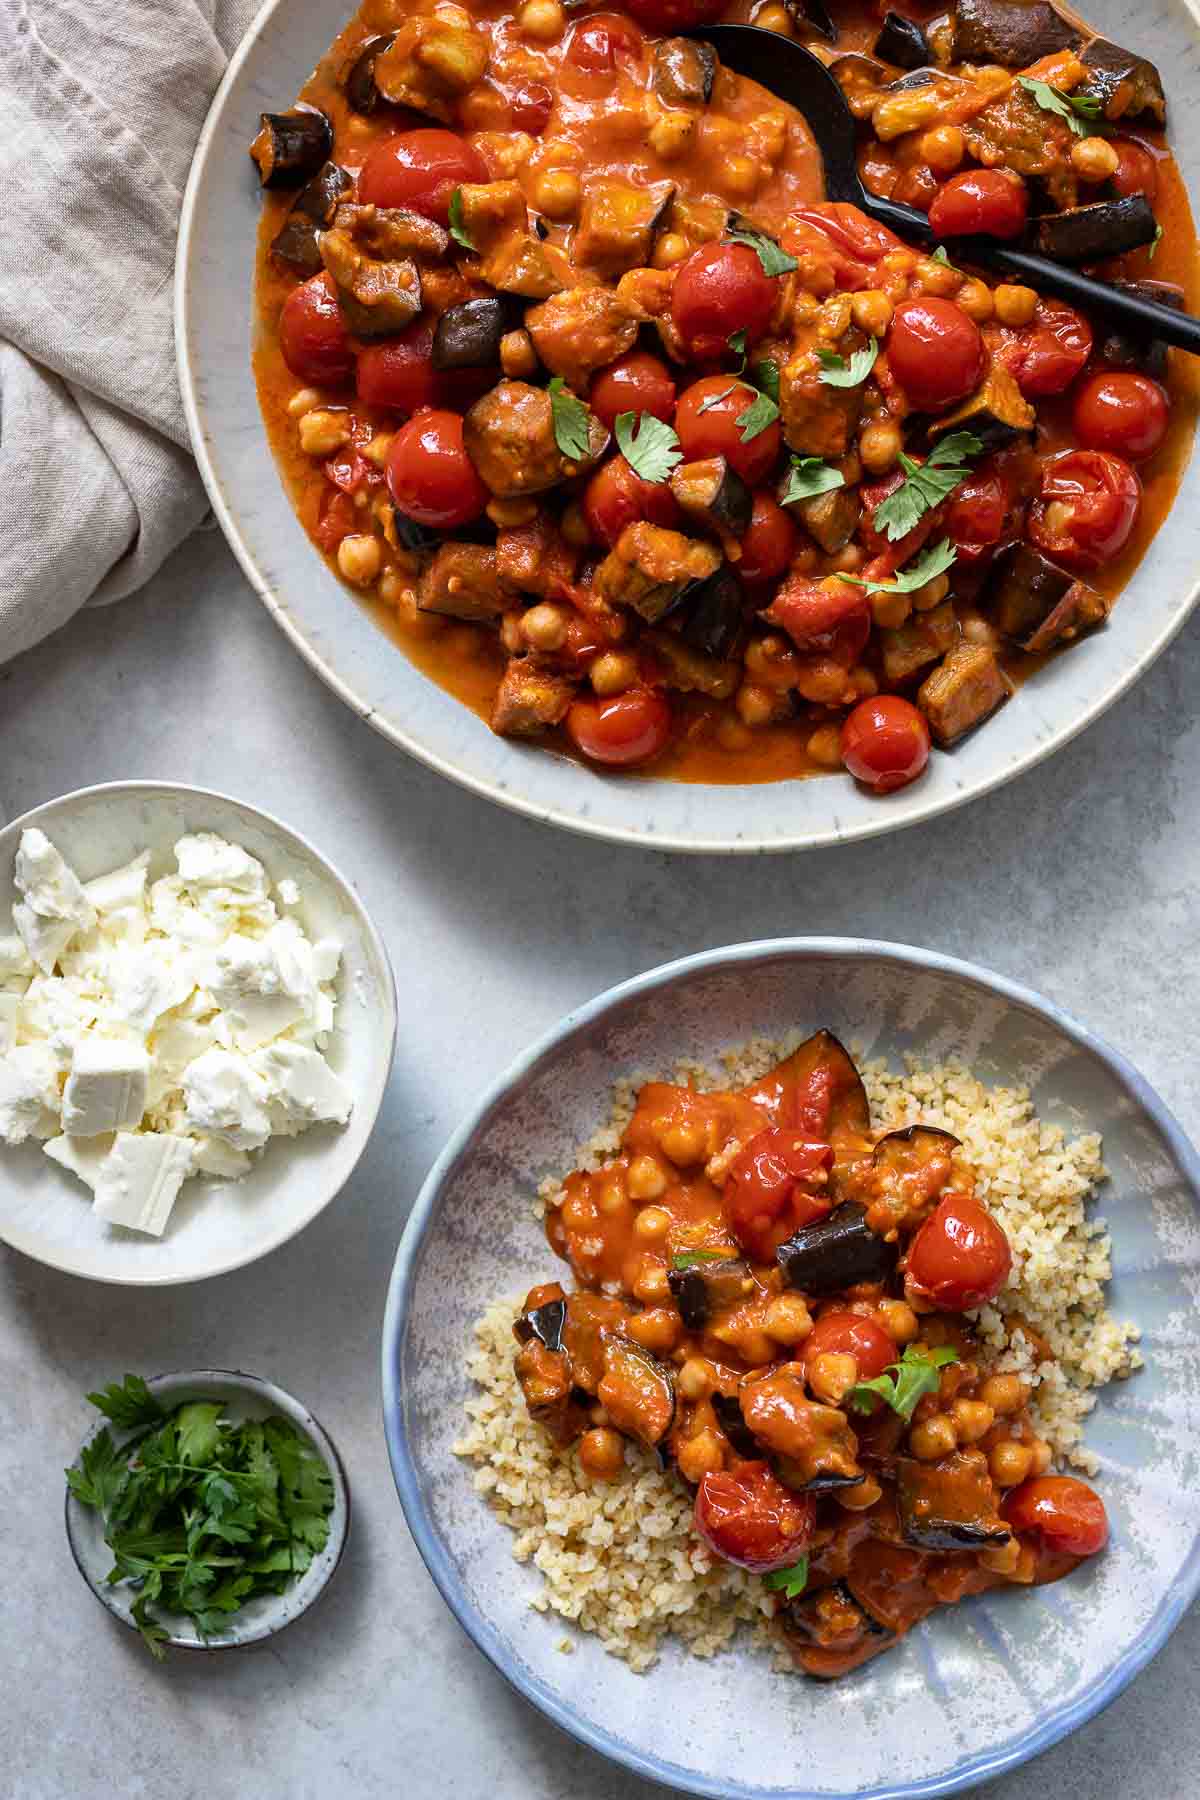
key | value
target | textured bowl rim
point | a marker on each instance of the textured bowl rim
(174, 1381)
(21, 1240)
(1057, 1723)
(894, 813)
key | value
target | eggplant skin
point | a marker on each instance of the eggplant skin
(546, 1323)
(1121, 348)
(290, 147)
(467, 336)
(902, 43)
(359, 83)
(715, 614)
(1012, 33)
(1084, 234)
(836, 1253)
(1127, 86)
(704, 1288)
(728, 1409)
(311, 211)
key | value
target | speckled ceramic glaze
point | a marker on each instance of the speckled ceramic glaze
(242, 1397)
(214, 1225)
(975, 1689)
(213, 328)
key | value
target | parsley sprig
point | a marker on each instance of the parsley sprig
(201, 1515)
(571, 421)
(903, 1383)
(650, 447)
(763, 409)
(927, 484)
(791, 1581)
(837, 372)
(458, 230)
(808, 477)
(932, 562)
(1081, 111)
(774, 260)
(690, 1259)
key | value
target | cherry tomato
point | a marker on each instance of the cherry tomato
(850, 1335)
(430, 475)
(714, 432)
(935, 352)
(616, 497)
(675, 15)
(1121, 411)
(530, 105)
(830, 618)
(339, 517)
(843, 236)
(976, 517)
(1065, 1514)
(630, 728)
(636, 382)
(885, 743)
(980, 200)
(765, 1187)
(400, 375)
(419, 170)
(749, 1517)
(1086, 508)
(768, 542)
(1045, 357)
(598, 43)
(1137, 171)
(313, 335)
(720, 289)
(960, 1256)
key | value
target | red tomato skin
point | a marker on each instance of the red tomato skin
(748, 1517)
(765, 1182)
(1044, 358)
(976, 517)
(768, 543)
(1065, 1514)
(720, 289)
(630, 729)
(842, 235)
(876, 543)
(1105, 497)
(530, 104)
(636, 382)
(419, 170)
(1121, 411)
(616, 497)
(935, 352)
(960, 1257)
(833, 619)
(313, 335)
(399, 374)
(980, 200)
(339, 517)
(1137, 171)
(715, 431)
(429, 474)
(675, 15)
(601, 41)
(851, 1335)
(885, 743)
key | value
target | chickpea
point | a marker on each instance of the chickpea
(942, 148)
(932, 594)
(518, 357)
(834, 317)
(322, 432)
(613, 672)
(508, 513)
(879, 445)
(898, 1320)
(700, 1456)
(1003, 1393)
(651, 1286)
(651, 1224)
(934, 1438)
(1094, 159)
(574, 526)
(612, 1198)
(740, 177)
(671, 134)
(1010, 1463)
(825, 746)
(732, 734)
(889, 610)
(755, 705)
(377, 450)
(578, 1213)
(302, 401)
(657, 1329)
(774, 18)
(863, 1494)
(787, 1319)
(871, 311)
(359, 559)
(831, 1375)
(848, 559)
(862, 682)
(684, 1144)
(805, 308)
(602, 1453)
(934, 277)
(543, 20)
(1014, 305)
(557, 193)
(972, 1420)
(1041, 1456)
(695, 1378)
(975, 298)
(671, 248)
(645, 1180)
(545, 626)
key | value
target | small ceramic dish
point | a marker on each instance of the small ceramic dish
(243, 1397)
(215, 1225)
(975, 1689)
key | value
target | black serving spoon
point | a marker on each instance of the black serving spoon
(792, 73)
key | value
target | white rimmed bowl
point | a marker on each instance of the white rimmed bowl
(215, 1225)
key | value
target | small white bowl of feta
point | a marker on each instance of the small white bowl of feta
(197, 1021)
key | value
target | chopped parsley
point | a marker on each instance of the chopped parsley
(927, 484)
(761, 412)
(650, 447)
(689, 1259)
(807, 477)
(1081, 111)
(903, 1383)
(774, 260)
(571, 421)
(837, 372)
(790, 1582)
(932, 562)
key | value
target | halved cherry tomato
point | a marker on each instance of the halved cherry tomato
(749, 1517)
(1045, 357)
(842, 235)
(1137, 171)
(960, 1257)
(675, 15)
(885, 743)
(976, 517)
(430, 475)
(530, 104)
(714, 431)
(630, 728)
(720, 289)
(636, 382)
(768, 542)
(1121, 411)
(850, 1335)
(935, 352)
(313, 335)
(599, 42)
(1086, 508)
(399, 374)
(1065, 1514)
(829, 617)
(419, 170)
(980, 200)
(617, 496)
(339, 517)
(765, 1187)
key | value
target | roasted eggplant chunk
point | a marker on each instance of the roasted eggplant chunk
(816, 1448)
(902, 43)
(545, 1378)
(704, 1289)
(1009, 32)
(637, 1391)
(311, 211)
(728, 1409)
(832, 519)
(463, 582)
(1121, 348)
(714, 619)
(290, 147)
(618, 222)
(836, 1253)
(965, 689)
(833, 1103)
(922, 639)
(359, 83)
(829, 1632)
(544, 1323)
(997, 413)
(509, 436)
(949, 1505)
(468, 336)
(652, 570)
(1126, 85)
(714, 494)
(816, 14)
(1037, 604)
(684, 71)
(1086, 234)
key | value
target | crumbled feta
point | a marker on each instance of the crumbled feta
(29, 1096)
(138, 1180)
(82, 1156)
(10, 1019)
(106, 1089)
(225, 1097)
(303, 1088)
(120, 901)
(54, 906)
(16, 964)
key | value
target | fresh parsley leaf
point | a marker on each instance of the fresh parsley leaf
(939, 256)
(101, 1469)
(791, 1581)
(153, 1636)
(128, 1403)
(712, 400)
(837, 372)
(1155, 241)
(1081, 111)
(737, 343)
(649, 446)
(807, 477)
(765, 376)
(199, 1429)
(903, 1383)
(761, 412)
(688, 1259)
(458, 230)
(774, 260)
(931, 562)
(927, 484)
(571, 420)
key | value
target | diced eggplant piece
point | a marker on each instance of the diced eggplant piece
(949, 1505)
(637, 1391)
(403, 533)
(966, 688)
(544, 1323)
(830, 1620)
(820, 1078)
(689, 670)
(545, 1379)
(1012, 33)
(997, 413)
(817, 420)
(1127, 85)
(703, 1289)
(525, 267)
(728, 1409)
(462, 582)
(902, 43)
(921, 640)
(311, 211)
(1037, 604)
(652, 570)
(378, 298)
(529, 699)
(618, 222)
(582, 330)
(700, 221)
(290, 147)
(816, 14)
(535, 558)
(836, 1253)
(832, 519)
(911, 1169)
(429, 64)
(359, 82)
(468, 336)
(391, 232)
(915, 1146)
(713, 493)
(509, 437)
(714, 619)
(1086, 234)
(815, 1448)
(684, 71)
(1124, 348)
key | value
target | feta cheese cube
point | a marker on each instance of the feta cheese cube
(224, 1097)
(120, 901)
(247, 982)
(207, 861)
(106, 1089)
(82, 1156)
(54, 906)
(326, 958)
(139, 1179)
(29, 1097)
(147, 980)
(215, 1157)
(303, 1088)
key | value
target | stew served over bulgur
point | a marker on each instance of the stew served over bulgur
(649, 453)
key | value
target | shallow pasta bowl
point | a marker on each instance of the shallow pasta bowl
(980, 1687)
(214, 328)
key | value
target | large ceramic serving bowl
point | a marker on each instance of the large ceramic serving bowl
(214, 330)
(975, 1689)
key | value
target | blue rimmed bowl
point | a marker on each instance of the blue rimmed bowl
(978, 1688)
